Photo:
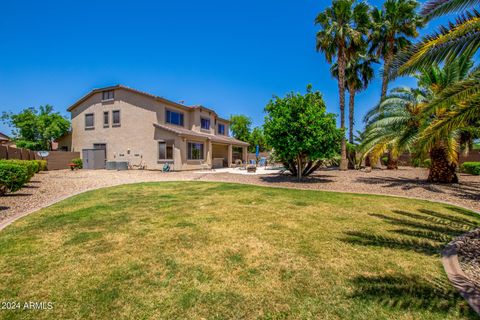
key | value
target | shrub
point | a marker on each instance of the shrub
(13, 176)
(30, 165)
(471, 167)
(78, 162)
(42, 165)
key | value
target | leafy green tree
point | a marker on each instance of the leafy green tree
(257, 138)
(240, 126)
(394, 25)
(37, 129)
(301, 132)
(343, 27)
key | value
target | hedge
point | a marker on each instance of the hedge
(471, 167)
(12, 176)
(42, 165)
(31, 165)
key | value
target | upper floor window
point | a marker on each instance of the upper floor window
(107, 95)
(174, 117)
(205, 123)
(221, 128)
(115, 118)
(89, 121)
(106, 120)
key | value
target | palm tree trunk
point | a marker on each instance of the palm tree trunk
(341, 91)
(386, 68)
(392, 162)
(441, 170)
(351, 111)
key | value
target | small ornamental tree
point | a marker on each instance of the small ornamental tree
(301, 132)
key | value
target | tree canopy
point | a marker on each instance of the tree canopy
(36, 129)
(240, 126)
(301, 132)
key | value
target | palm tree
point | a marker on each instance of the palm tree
(402, 121)
(394, 125)
(358, 74)
(342, 29)
(393, 27)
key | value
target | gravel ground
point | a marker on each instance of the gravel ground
(49, 187)
(468, 250)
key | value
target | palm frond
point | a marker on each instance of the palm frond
(436, 8)
(460, 38)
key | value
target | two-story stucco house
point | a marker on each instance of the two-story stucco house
(142, 128)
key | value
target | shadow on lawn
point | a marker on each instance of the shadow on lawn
(426, 232)
(407, 292)
(311, 179)
(466, 190)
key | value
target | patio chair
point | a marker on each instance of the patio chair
(262, 162)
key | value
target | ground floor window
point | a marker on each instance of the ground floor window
(195, 151)
(165, 150)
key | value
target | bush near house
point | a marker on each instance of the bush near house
(471, 167)
(31, 166)
(78, 163)
(12, 176)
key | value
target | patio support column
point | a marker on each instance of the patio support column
(244, 154)
(229, 156)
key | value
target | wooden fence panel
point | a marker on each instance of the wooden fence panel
(14, 153)
(58, 160)
(25, 154)
(3, 152)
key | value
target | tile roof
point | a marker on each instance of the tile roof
(190, 133)
(4, 137)
(121, 86)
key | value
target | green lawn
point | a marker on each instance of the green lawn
(202, 250)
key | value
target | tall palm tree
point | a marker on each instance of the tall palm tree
(343, 27)
(394, 25)
(358, 74)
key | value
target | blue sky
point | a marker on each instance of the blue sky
(231, 56)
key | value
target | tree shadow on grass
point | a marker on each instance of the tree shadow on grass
(311, 179)
(403, 183)
(426, 232)
(407, 292)
(465, 190)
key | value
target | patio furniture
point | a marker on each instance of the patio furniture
(262, 162)
(140, 166)
(251, 168)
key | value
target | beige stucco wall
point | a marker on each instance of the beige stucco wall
(136, 139)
